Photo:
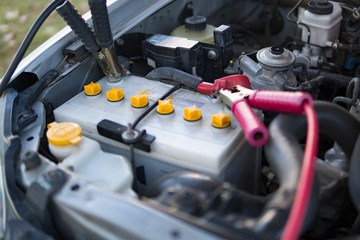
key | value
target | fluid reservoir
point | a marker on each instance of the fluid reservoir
(195, 28)
(324, 19)
(84, 157)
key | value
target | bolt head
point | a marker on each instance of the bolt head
(212, 54)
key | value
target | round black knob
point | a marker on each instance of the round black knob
(276, 50)
(195, 23)
(320, 7)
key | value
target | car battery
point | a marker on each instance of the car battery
(179, 145)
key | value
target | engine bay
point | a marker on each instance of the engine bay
(189, 119)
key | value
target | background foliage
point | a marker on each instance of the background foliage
(16, 18)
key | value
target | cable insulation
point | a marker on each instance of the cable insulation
(297, 214)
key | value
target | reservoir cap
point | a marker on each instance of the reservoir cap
(276, 50)
(63, 134)
(195, 23)
(275, 57)
(320, 7)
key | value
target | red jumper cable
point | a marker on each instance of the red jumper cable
(235, 92)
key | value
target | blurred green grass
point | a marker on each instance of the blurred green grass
(16, 18)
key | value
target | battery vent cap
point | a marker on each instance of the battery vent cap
(192, 114)
(115, 95)
(165, 107)
(220, 120)
(92, 89)
(63, 134)
(139, 101)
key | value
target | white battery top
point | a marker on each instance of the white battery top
(195, 145)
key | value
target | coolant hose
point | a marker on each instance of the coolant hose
(338, 79)
(334, 122)
(176, 75)
(354, 183)
(324, 78)
(353, 89)
(284, 153)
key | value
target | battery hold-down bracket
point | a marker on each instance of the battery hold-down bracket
(207, 60)
(114, 131)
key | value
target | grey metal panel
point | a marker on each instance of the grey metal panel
(89, 213)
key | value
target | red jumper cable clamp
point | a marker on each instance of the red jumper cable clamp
(235, 91)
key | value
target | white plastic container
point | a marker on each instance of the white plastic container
(324, 28)
(85, 158)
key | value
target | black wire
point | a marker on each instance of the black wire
(26, 42)
(298, 22)
(136, 122)
(141, 117)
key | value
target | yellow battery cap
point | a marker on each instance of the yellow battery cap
(115, 95)
(92, 89)
(165, 107)
(220, 120)
(63, 134)
(139, 101)
(192, 114)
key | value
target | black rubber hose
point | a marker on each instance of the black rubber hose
(282, 145)
(354, 173)
(101, 22)
(307, 86)
(284, 153)
(176, 75)
(345, 100)
(25, 44)
(338, 79)
(334, 122)
(324, 78)
(353, 89)
(304, 67)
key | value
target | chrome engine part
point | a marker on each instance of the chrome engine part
(273, 70)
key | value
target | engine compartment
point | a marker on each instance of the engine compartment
(161, 147)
